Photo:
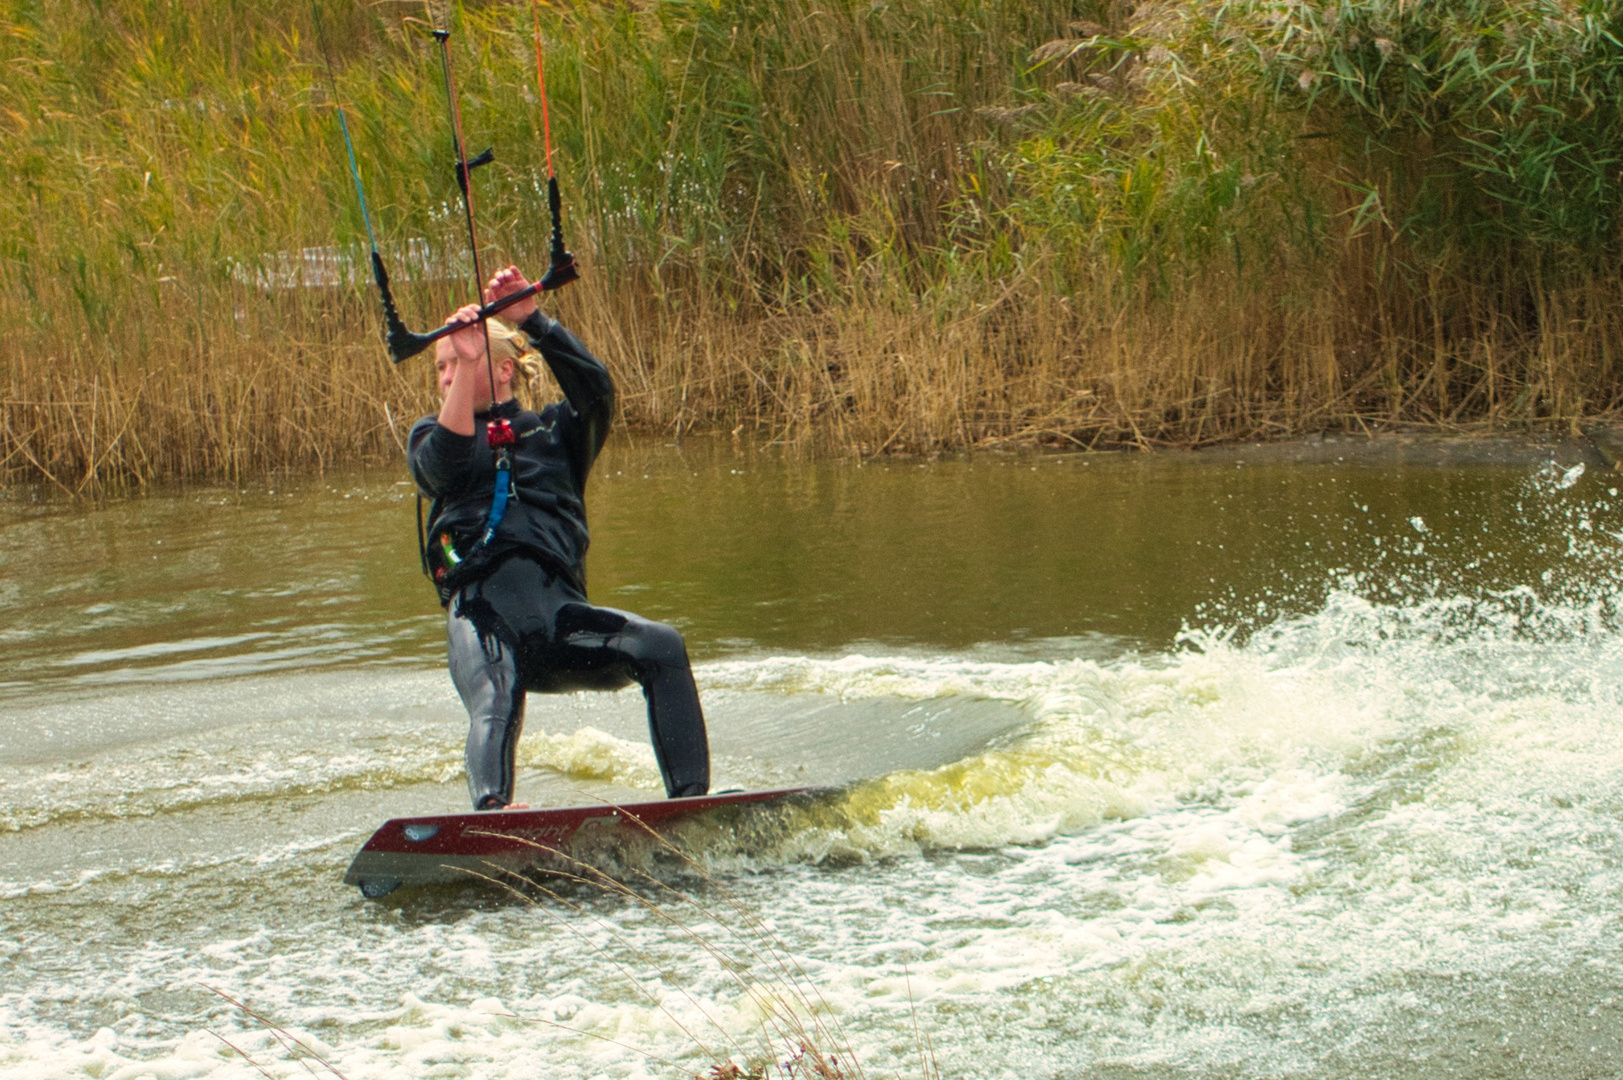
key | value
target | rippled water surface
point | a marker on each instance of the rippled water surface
(1147, 766)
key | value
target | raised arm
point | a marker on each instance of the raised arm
(441, 449)
(582, 376)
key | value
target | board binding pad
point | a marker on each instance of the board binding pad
(466, 847)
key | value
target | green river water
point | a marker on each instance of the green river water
(1220, 765)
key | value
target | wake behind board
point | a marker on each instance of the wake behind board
(466, 847)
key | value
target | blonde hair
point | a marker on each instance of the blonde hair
(529, 371)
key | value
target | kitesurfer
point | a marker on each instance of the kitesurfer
(510, 569)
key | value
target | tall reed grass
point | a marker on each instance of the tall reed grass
(908, 225)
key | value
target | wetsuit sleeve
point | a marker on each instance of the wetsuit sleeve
(582, 377)
(440, 459)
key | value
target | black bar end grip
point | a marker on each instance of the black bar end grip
(559, 274)
(402, 343)
(395, 335)
(554, 201)
(554, 206)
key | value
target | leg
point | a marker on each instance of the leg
(485, 672)
(594, 644)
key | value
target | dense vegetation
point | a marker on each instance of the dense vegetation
(873, 225)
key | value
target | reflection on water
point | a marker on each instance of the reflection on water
(1153, 766)
(1005, 556)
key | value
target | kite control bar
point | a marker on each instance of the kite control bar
(404, 343)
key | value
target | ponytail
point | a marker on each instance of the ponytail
(529, 372)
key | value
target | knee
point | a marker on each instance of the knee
(656, 643)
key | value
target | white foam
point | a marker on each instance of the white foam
(1235, 854)
(590, 754)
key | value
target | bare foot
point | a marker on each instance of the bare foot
(517, 806)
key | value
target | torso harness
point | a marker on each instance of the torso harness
(499, 433)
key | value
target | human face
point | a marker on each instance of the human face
(445, 364)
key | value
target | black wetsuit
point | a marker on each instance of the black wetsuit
(517, 615)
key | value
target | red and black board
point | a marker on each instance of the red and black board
(464, 847)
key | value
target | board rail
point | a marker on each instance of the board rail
(445, 848)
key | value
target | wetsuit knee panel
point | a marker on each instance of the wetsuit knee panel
(653, 643)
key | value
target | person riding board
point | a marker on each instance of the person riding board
(510, 571)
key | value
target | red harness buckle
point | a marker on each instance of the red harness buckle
(500, 433)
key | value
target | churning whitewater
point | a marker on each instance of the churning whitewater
(1364, 821)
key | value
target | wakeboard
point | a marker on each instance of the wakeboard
(467, 847)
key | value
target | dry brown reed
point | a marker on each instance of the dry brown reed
(1221, 364)
(1026, 367)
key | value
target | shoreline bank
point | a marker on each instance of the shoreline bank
(1600, 448)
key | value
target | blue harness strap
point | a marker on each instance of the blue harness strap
(498, 501)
